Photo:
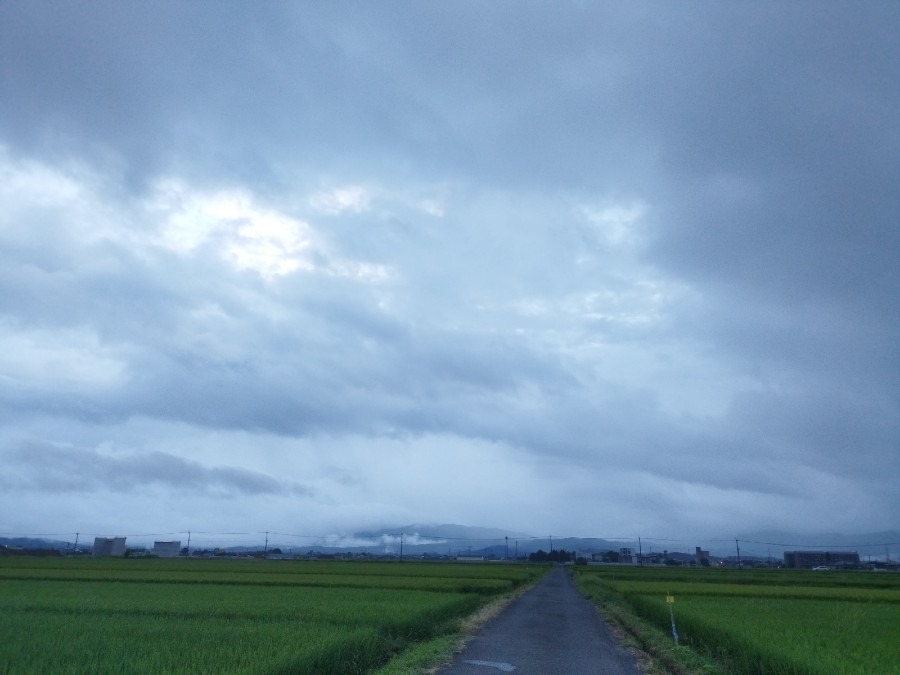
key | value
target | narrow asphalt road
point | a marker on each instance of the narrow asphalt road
(551, 630)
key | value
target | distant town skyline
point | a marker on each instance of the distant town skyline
(451, 539)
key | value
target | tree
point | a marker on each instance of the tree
(559, 555)
(539, 556)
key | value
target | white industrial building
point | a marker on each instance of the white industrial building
(109, 546)
(166, 549)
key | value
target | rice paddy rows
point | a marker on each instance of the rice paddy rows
(161, 616)
(768, 621)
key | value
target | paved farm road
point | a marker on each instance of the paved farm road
(551, 630)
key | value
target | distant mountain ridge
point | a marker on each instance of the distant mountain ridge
(452, 538)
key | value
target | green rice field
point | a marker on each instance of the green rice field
(69, 615)
(766, 621)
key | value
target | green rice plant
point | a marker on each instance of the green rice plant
(746, 577)
(780, 622)
(485, 579)
(805, 637)
(186, 616)
(42, 643)
(758, 591)
(315, 605)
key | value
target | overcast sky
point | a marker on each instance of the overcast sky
(585, 268)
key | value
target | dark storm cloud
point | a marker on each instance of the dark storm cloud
(462, 91)
(783, 150)
(576, 96)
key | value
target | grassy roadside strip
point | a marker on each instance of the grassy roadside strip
(657, 651)
(425, 658)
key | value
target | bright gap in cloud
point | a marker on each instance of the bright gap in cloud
(347, 198)
(616, 223)
(251, 236)
(246, 234)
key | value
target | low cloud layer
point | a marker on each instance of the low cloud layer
(57, 470)
(599, 271)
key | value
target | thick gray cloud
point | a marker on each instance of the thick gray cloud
(423, 262)
(52, 469)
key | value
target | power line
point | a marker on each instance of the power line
(437, 539)
(771, 543)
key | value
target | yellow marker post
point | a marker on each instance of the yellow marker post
(670, 600)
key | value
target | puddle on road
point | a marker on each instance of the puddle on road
(502, 667)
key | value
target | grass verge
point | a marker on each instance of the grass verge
(754, 622)
(654, 648)
(425, 658)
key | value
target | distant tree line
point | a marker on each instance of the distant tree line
(559, 555)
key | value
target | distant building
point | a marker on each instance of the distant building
(700, 556)
(166, 549)
(109, 546)
(626, 555)
(810, 559)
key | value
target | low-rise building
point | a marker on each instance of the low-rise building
(811, 559)
(166, 549)
(701, 557)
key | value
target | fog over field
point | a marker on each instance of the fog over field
(596, 269)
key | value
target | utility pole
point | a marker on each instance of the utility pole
(76, 543)
(507, 547)
(551, 543)
(738, 546)
(401, 547)
(189, 545)
(640, 554)
(266, 549)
